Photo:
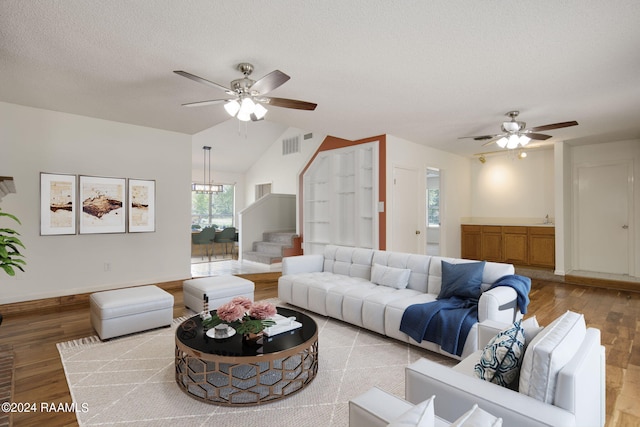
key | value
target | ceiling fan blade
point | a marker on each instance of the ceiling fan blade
(479, 137)
(537, 136)
(204, 81)
(269, 82)
(205, 103)
(553, 126)
(289, 103)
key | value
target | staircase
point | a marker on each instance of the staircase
(274, 245)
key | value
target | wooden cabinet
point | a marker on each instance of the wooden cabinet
(542, 247)
(520, 245)
(492, 243)
(471, 242)
(516, 245)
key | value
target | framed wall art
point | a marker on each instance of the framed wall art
(103, 205)
(142, 205)
(57, 204)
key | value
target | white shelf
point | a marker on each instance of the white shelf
(340, 198)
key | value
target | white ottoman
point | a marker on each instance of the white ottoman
(129, 310)
(219, 289)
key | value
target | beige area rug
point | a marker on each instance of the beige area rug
(130, 381)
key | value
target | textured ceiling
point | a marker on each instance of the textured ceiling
(426, 71)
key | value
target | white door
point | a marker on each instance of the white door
(602, 228)
(408, 197)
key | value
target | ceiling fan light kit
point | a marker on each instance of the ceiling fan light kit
(249, 94)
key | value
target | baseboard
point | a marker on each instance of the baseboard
(602, 283)
(65, 301)
(82, 300)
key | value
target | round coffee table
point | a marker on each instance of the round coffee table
(231, 372)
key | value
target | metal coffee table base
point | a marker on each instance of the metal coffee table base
(238, 381)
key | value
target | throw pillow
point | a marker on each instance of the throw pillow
(461, 280)
(548, 353)
(477, 417)
(390, 276)
(531, 329)
(421, 415)
(500, 359)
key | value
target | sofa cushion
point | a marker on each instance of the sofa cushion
(348, 261)
(548, 353)
(418, 264)
(389, 276)
(421, 415)
(461, 280)
(476, 417)
(501, 357)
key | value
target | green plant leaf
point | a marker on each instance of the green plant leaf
(7, 268)
(13, 217)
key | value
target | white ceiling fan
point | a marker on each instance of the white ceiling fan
(514, 132)
(248, 96)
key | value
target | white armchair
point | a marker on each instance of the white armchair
(377, 408)
(577, 397)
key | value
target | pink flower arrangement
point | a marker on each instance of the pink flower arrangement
(244, 315)
(262, 310)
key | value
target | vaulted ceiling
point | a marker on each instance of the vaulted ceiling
(425, 71)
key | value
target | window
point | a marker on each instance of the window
(433, 207)
(262, 190)
(215, 208)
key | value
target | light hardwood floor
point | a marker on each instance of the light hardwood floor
(39, 376)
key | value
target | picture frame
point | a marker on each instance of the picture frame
(142, 205)
(103, 207)
(58, 204)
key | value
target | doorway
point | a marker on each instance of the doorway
(406, 233)
(602, 217)
(434, 211)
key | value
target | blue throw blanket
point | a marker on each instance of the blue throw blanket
(520, 284)
(442, 322)
(447, 322)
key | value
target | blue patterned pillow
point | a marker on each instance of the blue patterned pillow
(500, 360)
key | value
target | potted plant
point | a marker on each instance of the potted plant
(10, 256)
(245, 316)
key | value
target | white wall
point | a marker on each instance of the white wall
(455, 178)
(506, 189)
(34, 141)
(281, 171)
(563, 202)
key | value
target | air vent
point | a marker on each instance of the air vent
(291, 145)
(308, 136)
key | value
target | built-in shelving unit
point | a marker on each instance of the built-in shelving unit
(340, 198)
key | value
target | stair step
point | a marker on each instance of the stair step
(261, 257)
(269, 248)
(279, 236)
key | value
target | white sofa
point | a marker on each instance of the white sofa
(569, 361)
(338, 284)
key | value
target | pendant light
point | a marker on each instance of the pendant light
(206, 187)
